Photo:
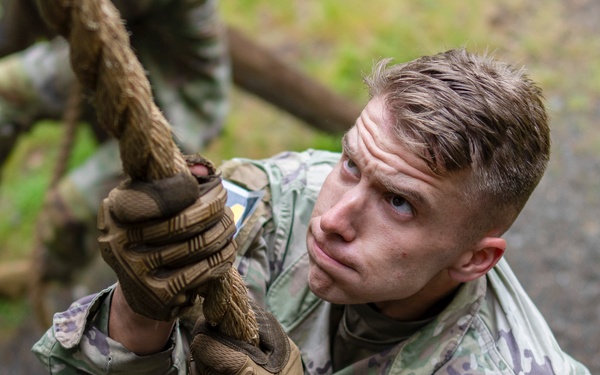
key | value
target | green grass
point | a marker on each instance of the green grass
(25, 179)
(12, 313)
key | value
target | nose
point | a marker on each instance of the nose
(341, 218)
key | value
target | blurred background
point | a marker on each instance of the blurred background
(553, 246)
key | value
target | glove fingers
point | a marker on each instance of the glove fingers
(204, 213)
(172, 284)
(159, 283)
(167, 291)
(211, 357)
(200, 246)
(193, 249)
(138, 201)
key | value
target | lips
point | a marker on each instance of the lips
(323, 257)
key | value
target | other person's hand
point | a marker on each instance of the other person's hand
(214, 353)
(165, 238)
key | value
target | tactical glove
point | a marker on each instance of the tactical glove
(214, 353)
(165, 238)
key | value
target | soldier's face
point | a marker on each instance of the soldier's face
(385, 229)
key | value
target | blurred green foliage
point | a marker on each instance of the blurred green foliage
(25, 179)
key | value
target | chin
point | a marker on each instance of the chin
(326, 290)
(319, 285)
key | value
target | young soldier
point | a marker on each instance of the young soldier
(386, 258)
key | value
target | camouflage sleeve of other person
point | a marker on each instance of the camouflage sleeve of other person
(183, 46)
(181, 43)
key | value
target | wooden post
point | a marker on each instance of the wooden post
(260, 72)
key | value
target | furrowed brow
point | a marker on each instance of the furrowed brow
(348, 150)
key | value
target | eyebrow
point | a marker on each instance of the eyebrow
(348, 150)
(412, 196)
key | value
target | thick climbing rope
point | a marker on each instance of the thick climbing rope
(103, 61)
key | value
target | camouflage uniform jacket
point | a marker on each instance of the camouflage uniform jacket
(490, 327)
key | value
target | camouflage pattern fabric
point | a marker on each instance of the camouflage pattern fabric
(70, 347)
(181, 44)
(490, 327)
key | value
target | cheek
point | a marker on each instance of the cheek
(326, 196)
(402, 265)
(382, 262)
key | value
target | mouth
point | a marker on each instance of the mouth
(323, 258)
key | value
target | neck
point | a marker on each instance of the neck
(426, 303)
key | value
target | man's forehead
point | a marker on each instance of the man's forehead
(373, 123)
(356, 137)
(454, 183)
(368, 137)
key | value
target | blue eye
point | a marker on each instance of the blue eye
(351, 167)
(401, 205)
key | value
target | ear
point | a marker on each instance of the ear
(479, 260)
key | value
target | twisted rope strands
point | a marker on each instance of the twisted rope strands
(103, 61)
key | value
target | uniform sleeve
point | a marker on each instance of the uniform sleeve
(78, 343)
(274, 236)
(183, 46)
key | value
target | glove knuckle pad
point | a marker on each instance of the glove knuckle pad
(205, 212)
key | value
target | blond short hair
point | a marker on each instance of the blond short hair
(458, 111)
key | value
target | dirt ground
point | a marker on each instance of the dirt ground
(553, 246)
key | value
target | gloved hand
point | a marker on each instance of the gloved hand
(214, 353)
(165, 238)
